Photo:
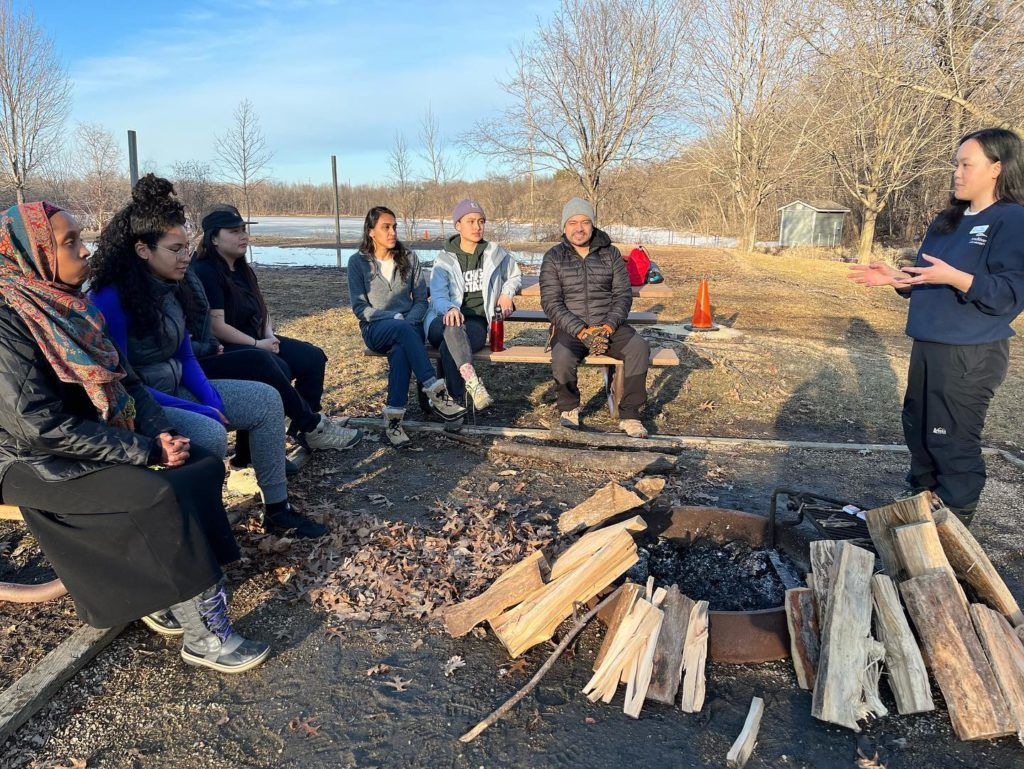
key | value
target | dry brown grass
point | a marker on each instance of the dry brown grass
(821, 358)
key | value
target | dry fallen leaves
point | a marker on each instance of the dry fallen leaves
(863, 762)
(379, 669)
(398, 683)
(516, 666)
(453, 664)
(307, 726)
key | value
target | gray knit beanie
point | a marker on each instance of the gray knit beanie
(575, 207)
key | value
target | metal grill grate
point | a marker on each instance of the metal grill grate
(825, 514)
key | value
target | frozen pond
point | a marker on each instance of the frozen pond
(322, 228)
(300, 256)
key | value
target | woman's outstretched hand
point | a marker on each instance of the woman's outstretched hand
(877, 274)
(939, 273)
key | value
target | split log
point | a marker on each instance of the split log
(920, 552)
(607, 502)
(976, 707)
(1007, 658)
(626, 462)
(881, 520)
(535, 619)
(668, 657)
(838, 685)
(908, 676)
(514, 585)
(628, 646)
(616, 612)
(639, 681)
(973, 566)
(747, 739)
(804, 635)
(586, 546)
(823, 554)
(695, 653)
(650, 487)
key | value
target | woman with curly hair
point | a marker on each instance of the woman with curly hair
(235, 317)
(138, 282)
(389, 297)
(127, 512)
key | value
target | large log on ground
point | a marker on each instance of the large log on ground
(627, 462)
(668, 657)
(973, 566)
(804, 634)
(881, 521)
(976, 707)
(845, 631)
(908, 676)
(605, 503)
(1006, 654)
(514, 585)
(920, 552)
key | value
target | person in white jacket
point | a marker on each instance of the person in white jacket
(470, 279)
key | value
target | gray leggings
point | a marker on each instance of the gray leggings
(251, 406)
(457, 345)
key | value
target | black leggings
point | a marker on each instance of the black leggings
(128, 541)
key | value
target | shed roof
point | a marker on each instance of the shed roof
(821, 206)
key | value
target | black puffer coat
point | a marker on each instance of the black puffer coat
(53, 426)
(577, 292)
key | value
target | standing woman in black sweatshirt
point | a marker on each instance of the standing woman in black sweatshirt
(965, 290)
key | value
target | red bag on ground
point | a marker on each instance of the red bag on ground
(637, 264)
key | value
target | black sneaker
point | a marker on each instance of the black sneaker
(288, 521)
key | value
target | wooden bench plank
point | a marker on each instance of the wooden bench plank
(531, 287)
(660, 357)
(538, 316)
(10, 513)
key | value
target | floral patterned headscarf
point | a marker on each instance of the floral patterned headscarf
(68, 328)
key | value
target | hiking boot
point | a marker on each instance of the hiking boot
(634, 428)
(210, 640)
(393, 429)
(570, 419)
(481, 398)
(163, 622)
(290, 521)
(329, 435)
(441, 402)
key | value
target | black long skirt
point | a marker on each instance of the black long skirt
(128, 541)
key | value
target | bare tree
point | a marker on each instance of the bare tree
(35, 96)
(195, 188)
(409, 193)
(597, 88)
(101, 184)
(442, 167)
(752, 101)
(242, 152)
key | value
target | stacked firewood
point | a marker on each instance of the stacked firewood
(970, 648)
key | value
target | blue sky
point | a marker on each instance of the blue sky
(326, 77)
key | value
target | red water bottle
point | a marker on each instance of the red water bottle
(497, 331)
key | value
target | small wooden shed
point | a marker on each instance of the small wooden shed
(811, 223)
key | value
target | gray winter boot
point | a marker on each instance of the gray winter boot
(393, 429)
(210, 640)
(441, 402)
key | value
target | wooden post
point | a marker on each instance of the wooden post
(973, 566)
(976, 707)
(337, 208)
(908, 676)
(133, 159)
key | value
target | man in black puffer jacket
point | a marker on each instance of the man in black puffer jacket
(585, 293)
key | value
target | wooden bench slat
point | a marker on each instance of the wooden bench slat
(10, 513)
(661, 356)
(538, 316)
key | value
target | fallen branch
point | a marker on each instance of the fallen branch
(567, 639)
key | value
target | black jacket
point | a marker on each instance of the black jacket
(577, 292)
(53, 426)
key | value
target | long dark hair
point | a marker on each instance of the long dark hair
(153, 211)
(207, 250)
(999, 145)
(401, 254)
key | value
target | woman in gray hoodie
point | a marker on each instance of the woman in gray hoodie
(471, 278)
(389, 297)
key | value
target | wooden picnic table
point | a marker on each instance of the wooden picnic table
(538, 316)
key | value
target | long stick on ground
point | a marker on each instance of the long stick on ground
(574, 631)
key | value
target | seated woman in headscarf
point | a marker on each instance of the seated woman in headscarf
(127, 513)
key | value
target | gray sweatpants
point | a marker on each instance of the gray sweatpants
(251, 406)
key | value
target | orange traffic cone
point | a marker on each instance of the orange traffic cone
(702, 320)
